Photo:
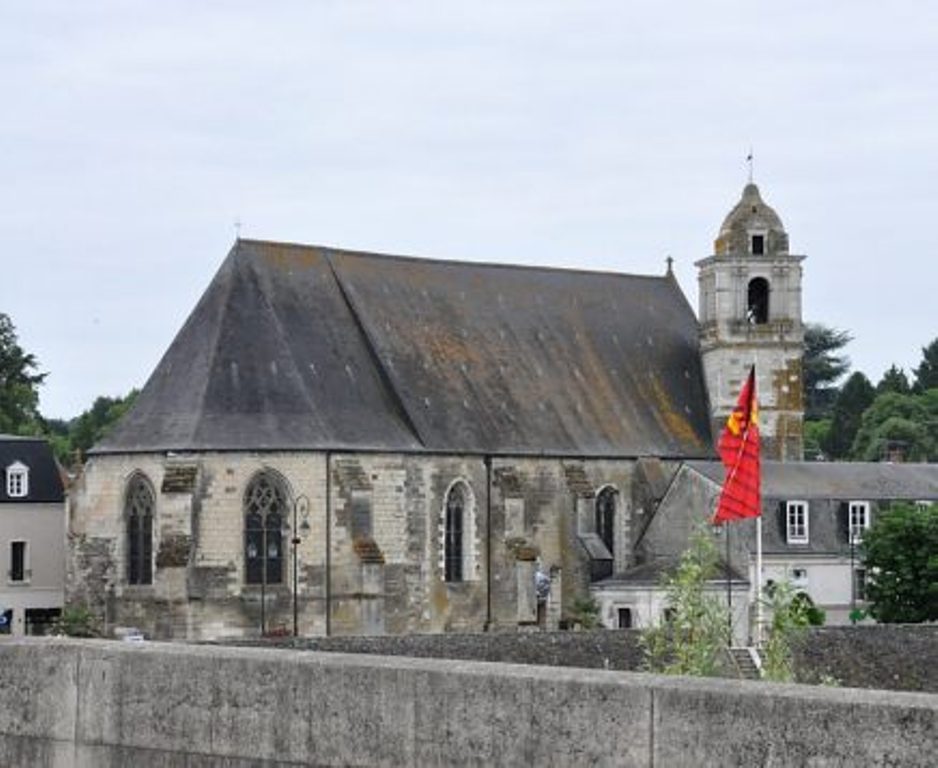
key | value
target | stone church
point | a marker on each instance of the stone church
(362, 443)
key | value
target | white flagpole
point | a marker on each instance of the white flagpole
(759, 580)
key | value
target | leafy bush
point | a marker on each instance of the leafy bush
(790, 616)
(693, 637)
(76, 621)
(585, 612)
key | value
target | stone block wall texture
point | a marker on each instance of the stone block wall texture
(94, 703)
(383, 564)
(901, 657)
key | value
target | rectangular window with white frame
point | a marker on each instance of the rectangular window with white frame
(17, 480)
(859, 520)
(19, 562)
(796, 514)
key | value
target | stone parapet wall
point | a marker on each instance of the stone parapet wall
(95, 703)
(595, 649)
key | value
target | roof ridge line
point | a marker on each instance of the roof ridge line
(379, 363)
(225, 306)
(328, 250)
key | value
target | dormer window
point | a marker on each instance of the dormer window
(859, 519)
(797, 522)
(757, 244)
(17, 480)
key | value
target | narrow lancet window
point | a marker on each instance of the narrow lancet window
(606, 517)
(138, 513)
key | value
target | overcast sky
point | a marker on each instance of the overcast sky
(586, 134)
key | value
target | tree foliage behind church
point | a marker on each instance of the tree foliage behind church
(926, 375)
(823, 365)
(899, 427)
(852, 401)
(19, 384)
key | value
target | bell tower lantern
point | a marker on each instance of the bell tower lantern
(750, 314)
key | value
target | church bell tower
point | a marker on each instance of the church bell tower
(750, 313)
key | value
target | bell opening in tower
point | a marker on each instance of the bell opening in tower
(757, 312)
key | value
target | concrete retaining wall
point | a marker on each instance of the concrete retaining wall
(93, 703)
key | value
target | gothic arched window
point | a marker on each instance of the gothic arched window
(265, 504)
(457, 532)
(757, 307)
(606, 517)
(139, 504)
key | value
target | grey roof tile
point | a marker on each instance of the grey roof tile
(302, 347)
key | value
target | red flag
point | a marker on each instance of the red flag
(741, 496)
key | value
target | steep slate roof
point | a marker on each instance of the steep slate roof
(302, 347)
(45, 480)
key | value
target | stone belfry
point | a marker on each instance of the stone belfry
(750, 313)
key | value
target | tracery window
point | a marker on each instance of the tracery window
(265, 504)
(606, 516)
(139, 505)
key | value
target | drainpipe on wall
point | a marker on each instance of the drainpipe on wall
(328, 574)
(488, 543)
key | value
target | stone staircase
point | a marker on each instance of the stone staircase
(745, 663)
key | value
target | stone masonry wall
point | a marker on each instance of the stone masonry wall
(384, 567)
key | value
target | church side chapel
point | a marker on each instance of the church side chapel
(363, 443)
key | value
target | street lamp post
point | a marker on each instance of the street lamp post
(853, 576)
(301, 507)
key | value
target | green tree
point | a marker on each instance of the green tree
(853, 399)
(816, 434)
(92, 425)
(926, 375)
(903, 425)
(692, 640)
(19, 384)
(56, 432)
(823, 366)
(900, 551)
(894, 380)
(791, 615)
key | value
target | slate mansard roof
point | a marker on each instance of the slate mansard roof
(45, 480)
(828, 488)
(858, 481)
(303, 347)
